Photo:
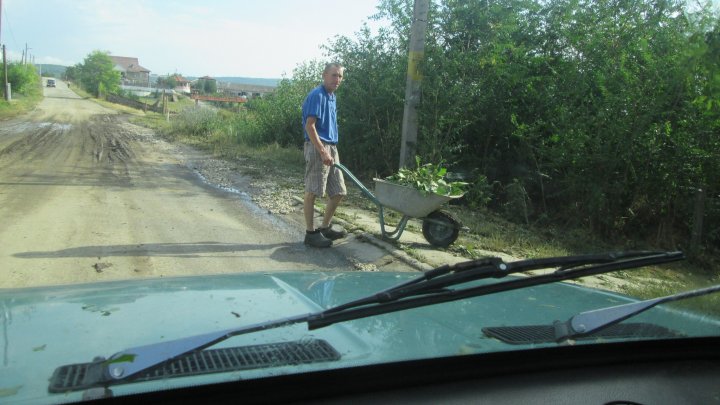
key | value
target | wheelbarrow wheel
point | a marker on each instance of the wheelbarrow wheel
(440, 229)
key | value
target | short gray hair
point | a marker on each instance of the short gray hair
(333, 65)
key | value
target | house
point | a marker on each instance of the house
(244, 90)
(183, 84)
(131, 73)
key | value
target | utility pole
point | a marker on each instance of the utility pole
(26, 54)
(416, 56)
(5, 84)
(6, 87)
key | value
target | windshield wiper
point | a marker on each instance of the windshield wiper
(431, 288)
(604, 323)
(434, 289)
(589, 322)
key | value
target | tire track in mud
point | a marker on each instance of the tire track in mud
(34, 138)
(110, 148)
(111, 140)
(42, 157)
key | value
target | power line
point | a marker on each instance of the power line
(5, 26)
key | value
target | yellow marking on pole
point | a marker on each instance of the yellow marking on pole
(415, 59)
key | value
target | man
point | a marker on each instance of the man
(319, 115)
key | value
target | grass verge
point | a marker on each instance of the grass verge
(18, 105)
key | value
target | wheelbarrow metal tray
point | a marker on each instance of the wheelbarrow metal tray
(408, 200)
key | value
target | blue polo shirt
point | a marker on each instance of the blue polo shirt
(322, 106)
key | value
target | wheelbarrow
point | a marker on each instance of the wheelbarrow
(438, 227)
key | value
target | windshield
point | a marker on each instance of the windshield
(201, 193)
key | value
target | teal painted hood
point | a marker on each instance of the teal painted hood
(45, 328)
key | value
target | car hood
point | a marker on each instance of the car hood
(45, 328)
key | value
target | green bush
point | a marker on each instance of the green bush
(23, 78)
(197, 122)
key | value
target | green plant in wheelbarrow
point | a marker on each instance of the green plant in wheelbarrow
(419, 193)
(428, 178)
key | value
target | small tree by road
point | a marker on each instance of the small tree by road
(23, 78)
(97, 75)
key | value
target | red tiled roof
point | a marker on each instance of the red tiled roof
(180, 80)
(130, 64)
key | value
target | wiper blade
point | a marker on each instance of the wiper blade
(431, 288)
(590, 322)
(437, 280)
(421, 292)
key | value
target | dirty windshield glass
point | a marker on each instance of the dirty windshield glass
(319, 186)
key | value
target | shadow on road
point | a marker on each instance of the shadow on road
(191, 249)
(295, 252)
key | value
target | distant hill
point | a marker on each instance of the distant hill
(249, 80)
(59, 71)
(52, 70)
(255, 81)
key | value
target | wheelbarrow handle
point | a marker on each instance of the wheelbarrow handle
(358, 183)
(389, 234)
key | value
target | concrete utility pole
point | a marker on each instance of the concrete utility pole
(6, 85)
(26, 55)
(416, 56)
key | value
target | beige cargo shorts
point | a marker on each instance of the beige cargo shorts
(321, 179)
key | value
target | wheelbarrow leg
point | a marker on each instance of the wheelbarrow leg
(393, 234)
(387, 234)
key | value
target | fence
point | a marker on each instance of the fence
(114, 98)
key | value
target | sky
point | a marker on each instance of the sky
(248, 38)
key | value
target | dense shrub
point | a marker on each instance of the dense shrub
(596, 113)
(23, 78)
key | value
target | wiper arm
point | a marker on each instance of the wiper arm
(590, 322)
(429, 289)
(420, 292)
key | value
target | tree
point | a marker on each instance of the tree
(599, 113)
(97, 74)
(23, 78)
(169, 82)
(71, 73)
(206, 86)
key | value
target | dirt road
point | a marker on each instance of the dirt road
(86, 196)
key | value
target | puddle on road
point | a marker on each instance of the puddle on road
(19, 127)
(246, 200)
(55, 125)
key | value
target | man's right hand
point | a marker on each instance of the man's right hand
(326, 158)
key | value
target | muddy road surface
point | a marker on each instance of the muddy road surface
(86, 196)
